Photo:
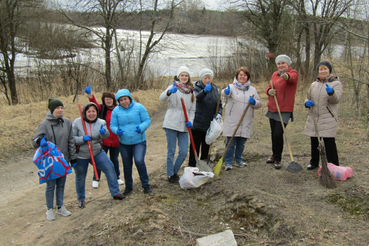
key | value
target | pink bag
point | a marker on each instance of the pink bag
(338, 172)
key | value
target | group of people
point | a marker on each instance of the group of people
(118, 125)
(110, 127)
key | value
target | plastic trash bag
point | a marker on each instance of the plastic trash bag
(215, 129)
(193, 178)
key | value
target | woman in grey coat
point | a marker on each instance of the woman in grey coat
(323, 100)
(58, 130)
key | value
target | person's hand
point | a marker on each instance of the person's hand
(43, 142)
(285, 76)
(272, 92)
(309, 103)
(73, 163)
(173, 89)
(138, 129)
(120, 132)
(207, 88)
(175, 78)
(227, 91)
(252, 101)
(86, 138)
(329, 89)
(102, 130)
(88, 90)
(188, 124)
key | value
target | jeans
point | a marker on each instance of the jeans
(235, 149)
(105, 165)
(172, 135)
(50, 189)
(138, 152)
(199, 140)
(114, 153)
(277, 138)
(330, 150)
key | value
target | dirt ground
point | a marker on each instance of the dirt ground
(261, 205)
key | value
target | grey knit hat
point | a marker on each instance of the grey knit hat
(285, 58)
(54, 103)
(206, 71)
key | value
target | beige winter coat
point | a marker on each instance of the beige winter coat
(325, 108)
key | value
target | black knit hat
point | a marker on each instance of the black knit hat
(54, 103)
(324, 63)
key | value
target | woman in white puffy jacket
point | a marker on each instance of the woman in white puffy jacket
(175, 125)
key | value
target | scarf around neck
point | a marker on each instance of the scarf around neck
(184, 88)
(241, 86)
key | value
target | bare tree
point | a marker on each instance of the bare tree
(13, 14)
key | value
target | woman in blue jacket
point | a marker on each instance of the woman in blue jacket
(129, 121)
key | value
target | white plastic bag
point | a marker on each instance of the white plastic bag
(215, 129)
(193, 178)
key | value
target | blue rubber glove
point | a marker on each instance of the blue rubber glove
(102, 130)
(207, 88)
(329, 89)
(120, 132)
(73, 163)
(173, 89)
(309, 103)
(252, 101)
(43, 142)
(188, 124)
(88, 90)
(86, 138)
(138, 129)
(227, 91)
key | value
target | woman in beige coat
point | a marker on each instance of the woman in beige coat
(239, 95)
(322, 100)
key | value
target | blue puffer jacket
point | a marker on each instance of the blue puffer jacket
(127, 119)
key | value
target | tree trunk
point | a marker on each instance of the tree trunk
(108, 43)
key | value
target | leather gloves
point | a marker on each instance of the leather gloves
(285, 76)
(272, 92)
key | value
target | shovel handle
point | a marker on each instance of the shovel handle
(189, 129)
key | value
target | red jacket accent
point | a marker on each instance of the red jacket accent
(112, 140)
(286, 91)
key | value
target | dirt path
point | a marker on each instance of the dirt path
(22, 199)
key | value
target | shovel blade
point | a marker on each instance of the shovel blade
(203, 166)
(218, 166)
(294, 167)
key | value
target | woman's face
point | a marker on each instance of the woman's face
(183, 77)
(282, 66)
(91, 113)
(108, 101)
(124, 101)
(242, 77)
(206, 78)
(323, 71)
(58, 112)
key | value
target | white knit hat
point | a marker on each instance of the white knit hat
(206, 71)
(182, 69)
(284, 58)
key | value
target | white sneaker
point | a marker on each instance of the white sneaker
(241, 164)
(50, 214)
(120, 182)
(228, 167)
(63, 211)
(95, 184)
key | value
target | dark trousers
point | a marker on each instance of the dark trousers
(277, 138)
(199, 139)
(330, 149)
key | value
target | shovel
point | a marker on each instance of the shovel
(201, 165)
(216, 169)
(293, 167)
